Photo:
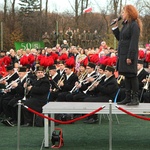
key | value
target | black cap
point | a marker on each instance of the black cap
(82, 64)
(61, 62)
(92, 65)
(140, 61)
(40, 68)
(9, 68)
(22, 69)
(67, 66)
(109, 68)
(52, 67)
(101, 66)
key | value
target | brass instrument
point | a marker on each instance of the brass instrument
(28, 82)
(9, 86)
(61, 80)
(147, 82)
(119, 79)
(82, 76)
(81, 79)
(5, 78)
(56, 85)
(98, 79)
(85, 80)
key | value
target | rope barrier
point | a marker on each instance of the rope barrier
(64, 122)
(134, 115)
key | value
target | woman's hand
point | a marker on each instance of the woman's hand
(128, 61)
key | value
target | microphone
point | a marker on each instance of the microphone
(117, 19)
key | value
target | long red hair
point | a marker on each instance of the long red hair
(133, 14)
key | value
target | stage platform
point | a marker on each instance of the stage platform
(83, 108)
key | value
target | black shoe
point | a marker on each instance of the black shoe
(14, 123)
(26, 125)
(7, 123)
(132, 103)
(91, 121)
(124, 102)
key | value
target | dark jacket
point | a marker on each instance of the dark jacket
(69, 84)
(54, 82)
(128, 47)
(38, 94)
(142, 75)
(108, 88)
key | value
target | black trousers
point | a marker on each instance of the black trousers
(146, 97)
(132, 84)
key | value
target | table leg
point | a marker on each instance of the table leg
(46, 132)
(52, 125)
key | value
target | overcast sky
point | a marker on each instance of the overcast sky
(64, 5)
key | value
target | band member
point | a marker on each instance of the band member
(141, 74)
(67, 83)
(82, 74)
(10, 107)
(61, 68)
(105, 91)
(7, 92)
(82, 86)
(146, 94)
(38, 95)
(54, 83)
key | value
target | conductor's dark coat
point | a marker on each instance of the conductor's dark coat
(128, 39)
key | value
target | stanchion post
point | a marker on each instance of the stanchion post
(19, 120)
(110, 124)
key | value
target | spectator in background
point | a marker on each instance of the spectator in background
(14, 60)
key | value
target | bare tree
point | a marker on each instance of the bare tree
(5, 10)
(13, 9)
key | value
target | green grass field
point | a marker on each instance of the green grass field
(130, 134)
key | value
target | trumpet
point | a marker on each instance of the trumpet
(147, 83)
(9, 86)
(56, 85)
(85, 80)
(74, 88)
(98, 79)
(28, 82)
(5, 78)
(80, 81)
(60, 81)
